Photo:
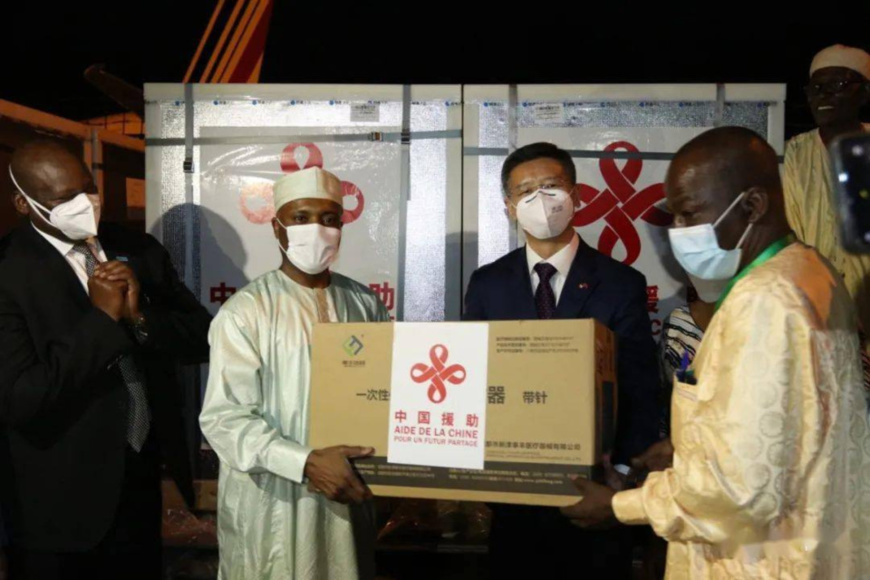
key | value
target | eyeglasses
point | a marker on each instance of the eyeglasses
(528, 189)
(831, 87)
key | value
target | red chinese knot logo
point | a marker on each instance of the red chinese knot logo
(438, 373)
(620, 204)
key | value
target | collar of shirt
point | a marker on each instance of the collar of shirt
(59, 245)
(561, 260)
(65, 247)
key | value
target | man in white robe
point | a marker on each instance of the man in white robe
(286, 511)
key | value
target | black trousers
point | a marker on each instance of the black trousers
(131, 549)
(540, 543)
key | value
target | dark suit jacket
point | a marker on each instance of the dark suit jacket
(63, 403)
(597, 287)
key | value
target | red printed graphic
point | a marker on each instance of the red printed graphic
(221, 293)
(652, 299)
(256, 203)
(652, 306)
(385, 294)
(620, 204)
(438, 373)
(298, 156)
(354, 202)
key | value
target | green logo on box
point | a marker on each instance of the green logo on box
(353, 346)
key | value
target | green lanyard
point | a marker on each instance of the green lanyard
(772, 250)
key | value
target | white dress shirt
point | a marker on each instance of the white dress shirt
(75, 260)
(561, 260)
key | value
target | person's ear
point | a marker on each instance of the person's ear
(575, 196)
(20, 204)
(756, 202)
(510, 208)
(277, 229)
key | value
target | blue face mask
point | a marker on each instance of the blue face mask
(709, 267)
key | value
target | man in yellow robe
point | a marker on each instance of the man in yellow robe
(837, 90)
(771, 447)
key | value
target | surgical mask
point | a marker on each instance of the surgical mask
(311, 247)
(77, 218)
(546, 213)
(710, 268)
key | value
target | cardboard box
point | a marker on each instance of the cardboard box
(551, 410)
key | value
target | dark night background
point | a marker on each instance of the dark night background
(49, 47)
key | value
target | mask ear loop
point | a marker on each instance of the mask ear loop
(730, 207)
(33, 203)
(285, 232)
(743, 237)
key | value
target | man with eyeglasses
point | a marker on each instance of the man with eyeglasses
(837, 91)
(557, 275)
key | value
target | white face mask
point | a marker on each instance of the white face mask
(311, 247)
(709, 267)
(77, 218)
(546, 213)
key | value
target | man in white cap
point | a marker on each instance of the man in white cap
(286, 511)
(837, 91)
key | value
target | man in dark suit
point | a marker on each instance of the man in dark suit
(93, 325)
(556, 275)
